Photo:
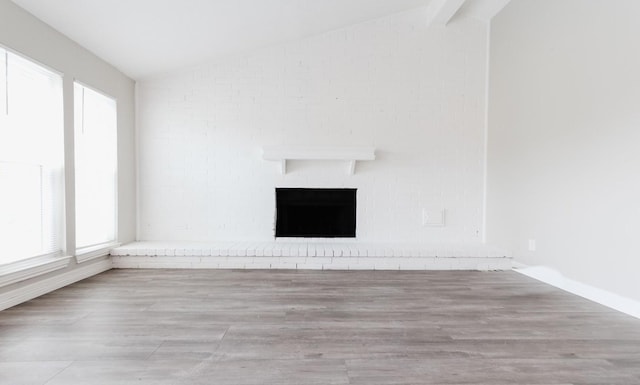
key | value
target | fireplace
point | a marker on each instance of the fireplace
(316, 212)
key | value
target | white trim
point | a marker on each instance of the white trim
(96, 90)
(485, 160)
(603, 297)
(519, 265)
(36, 289)
(29, 58)
(136, 132)
(92, 252)
(31, 268)
(317, 153)
(282, 154)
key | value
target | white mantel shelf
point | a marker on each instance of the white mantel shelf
(350, 154)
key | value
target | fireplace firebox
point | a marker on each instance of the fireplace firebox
(316, 212)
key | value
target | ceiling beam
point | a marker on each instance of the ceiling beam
(440, 12)
(494, 7)
(483, 9)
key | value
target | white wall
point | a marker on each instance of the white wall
(23, 33)
(564, 133)
(416, 94)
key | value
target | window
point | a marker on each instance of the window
(31, 159)
(95, 167)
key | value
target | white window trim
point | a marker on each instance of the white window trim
(32, 267)
(90, 253)
(27, 57)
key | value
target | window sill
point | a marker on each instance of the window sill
(86, 254)
(31, 268)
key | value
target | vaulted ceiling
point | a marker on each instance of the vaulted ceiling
(143, 38)
(146, 37)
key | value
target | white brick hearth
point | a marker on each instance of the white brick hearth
(310, 255)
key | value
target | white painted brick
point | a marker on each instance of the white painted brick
(410, 263)
(234, 262)
(362, 266)
(200, 137)
(318, 261)
(293, 260)
(300, 262)
(387, 264)
(312, 264)
(261, 263)
(439, 264)
(337, 263)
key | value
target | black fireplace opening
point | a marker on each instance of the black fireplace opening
(316, 212)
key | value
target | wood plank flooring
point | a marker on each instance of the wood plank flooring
(315, 327)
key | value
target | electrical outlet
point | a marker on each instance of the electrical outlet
(532, 245)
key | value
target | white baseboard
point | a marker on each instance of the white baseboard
(603, 297)
(25, 293)
(90, 253)
(32, 268)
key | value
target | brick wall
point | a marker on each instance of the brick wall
(415, 93)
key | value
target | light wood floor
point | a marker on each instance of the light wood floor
(315, 327)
